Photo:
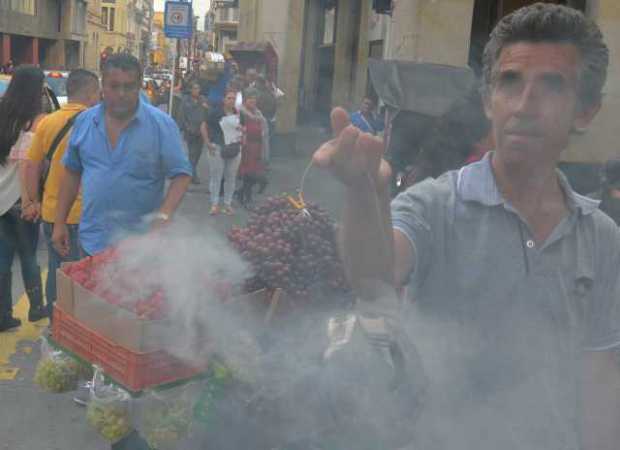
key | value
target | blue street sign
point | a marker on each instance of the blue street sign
(178, 19)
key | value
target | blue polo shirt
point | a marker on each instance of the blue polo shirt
(123, 185)
(373, 125)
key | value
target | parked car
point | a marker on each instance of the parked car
(57, 81)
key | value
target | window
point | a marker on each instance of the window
(107, 17)
(111, 19)
(78, 24)
(24, 6)
(329, 32)
(235, 14)
(223, 14)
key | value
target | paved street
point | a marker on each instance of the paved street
(33, 420)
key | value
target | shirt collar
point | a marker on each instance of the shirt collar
(139, 115)
(73, 107)
(476, 183)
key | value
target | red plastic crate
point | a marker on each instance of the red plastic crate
(134, 371)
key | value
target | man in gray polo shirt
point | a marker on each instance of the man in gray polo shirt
(515, 277)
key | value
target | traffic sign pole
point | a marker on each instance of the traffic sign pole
(178, 22)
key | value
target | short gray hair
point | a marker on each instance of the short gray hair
(544, 22)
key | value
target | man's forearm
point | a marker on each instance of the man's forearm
(176, 190)
(69, 189)
(366, 239)
(33, 173)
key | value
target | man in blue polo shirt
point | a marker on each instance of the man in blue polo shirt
(365, 119)
(121, 152)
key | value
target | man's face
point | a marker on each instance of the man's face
(367, 106)
(121, 90)
(195, 91)
(533, 102)
(251, 75)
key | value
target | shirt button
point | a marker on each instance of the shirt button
(530, 244)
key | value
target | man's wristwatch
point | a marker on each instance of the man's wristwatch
(162, 216)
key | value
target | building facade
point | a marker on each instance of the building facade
(128, 26)
(94, 32)
(324, 46)
(162, 48)
(50, 33)
(223, 23)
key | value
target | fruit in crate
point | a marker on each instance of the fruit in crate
(291, 248)
(133, 290)
(112, 421)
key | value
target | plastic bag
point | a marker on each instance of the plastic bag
(373, 383)
(109, 409)
(166, 416)
(56, 371)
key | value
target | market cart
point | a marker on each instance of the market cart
(258, 55)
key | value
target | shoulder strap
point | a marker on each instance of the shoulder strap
(61, 134)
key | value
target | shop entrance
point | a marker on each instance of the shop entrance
(486, 15)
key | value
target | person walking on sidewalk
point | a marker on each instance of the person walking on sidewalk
(20, 113)
(252, 169)
(48, 147)
(224, 152)
(121, 152)
(193, 120)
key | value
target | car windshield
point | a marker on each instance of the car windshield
(58, 85)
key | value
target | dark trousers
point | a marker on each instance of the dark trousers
(21, 237)
(54, 259)
(249, 181)
(194, 147)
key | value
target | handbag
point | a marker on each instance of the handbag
(230, 151)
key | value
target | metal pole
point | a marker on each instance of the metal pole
(172, 83)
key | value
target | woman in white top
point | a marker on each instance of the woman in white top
(20, 110)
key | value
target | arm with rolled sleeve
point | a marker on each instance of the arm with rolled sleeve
(601, 380)
(176, 166)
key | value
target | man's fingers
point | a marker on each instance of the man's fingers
(335, 149)
(340, 120)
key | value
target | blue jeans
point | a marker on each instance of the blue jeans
(54, 259)
(21, 237)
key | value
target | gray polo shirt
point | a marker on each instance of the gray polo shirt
(502, 322)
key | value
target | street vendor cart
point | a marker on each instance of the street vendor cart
(257, 55)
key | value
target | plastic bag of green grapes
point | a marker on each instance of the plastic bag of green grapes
(166, 415)
(56, 371)
(109, 409)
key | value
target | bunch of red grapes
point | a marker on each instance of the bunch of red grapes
(290, 249)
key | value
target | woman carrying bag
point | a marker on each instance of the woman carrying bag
(223, 152)
(20, 111)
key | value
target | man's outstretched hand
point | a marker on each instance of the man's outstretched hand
(353, 156)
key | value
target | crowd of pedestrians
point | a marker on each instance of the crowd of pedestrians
(232, 120)
(69, 172)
